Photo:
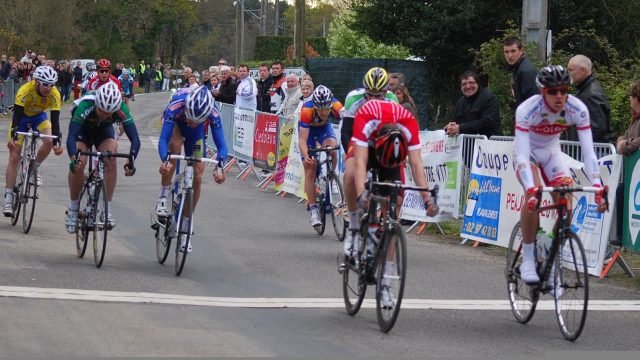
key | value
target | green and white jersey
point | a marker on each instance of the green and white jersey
(355, 99)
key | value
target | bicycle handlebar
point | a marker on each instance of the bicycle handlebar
(562, 190)
(103, 154)
(36, 134)
(192, 159)
(324, 149)
(398, 186)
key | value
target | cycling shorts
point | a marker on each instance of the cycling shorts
(194, 144)
(94, 136)
(384, 174)
(554, 170)
(39, 122)
(318, 134)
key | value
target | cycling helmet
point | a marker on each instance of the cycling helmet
(322, 97)
(390, 146)
(553, 76)
(91, 66)
(91, 75)
(45, 74)
(104, 64)
(108, 97)
(199, 104)
(376, 79)
(126, 72)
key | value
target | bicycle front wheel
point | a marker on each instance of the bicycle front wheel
(392, 271)
(522, 297)
(163, 235)
(321, 200)
(17, 193)
(100, 222)
(184, 231)
(82, 232)
(29, 198)
(570, 286)
(338, 206)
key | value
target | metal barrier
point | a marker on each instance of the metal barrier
(8, 91)
(572, 148)
(468, 143)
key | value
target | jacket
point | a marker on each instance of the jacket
(264, 96)
(227, 91)
(592, 95)
(632, 137)
(524, 80)
(478, 114)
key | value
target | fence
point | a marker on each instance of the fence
(8, 91)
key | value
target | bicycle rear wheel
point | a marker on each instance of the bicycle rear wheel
(522, 297)
(82, 232)
(392, 271)
(184, 236)
(321, 213)
(354, 279)
(571, 290)
(29, 198)
(100, 222)
(17, 194)
(163, 235)
(338, 205)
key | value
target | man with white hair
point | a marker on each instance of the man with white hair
(293, 93)
(588, 90)
(227, 91)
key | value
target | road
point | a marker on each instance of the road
(259, 283)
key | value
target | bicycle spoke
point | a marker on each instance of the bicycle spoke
(570, 287)
(522, 297)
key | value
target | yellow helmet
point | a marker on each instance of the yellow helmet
(376, 79)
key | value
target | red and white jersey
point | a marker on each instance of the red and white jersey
(375, 113)
(95, 82)
(538, 130)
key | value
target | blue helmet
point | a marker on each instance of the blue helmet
(199, 104)
(322, 97)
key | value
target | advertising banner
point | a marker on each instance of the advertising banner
(294, 172)
(631, 218)
(243, 128)
(265, 141)
(284, 144)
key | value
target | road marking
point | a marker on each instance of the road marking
(231, 302)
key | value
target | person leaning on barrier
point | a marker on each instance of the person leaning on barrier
(264, 83)
(476, 112)
(247, 90)
(627, 144)
(523, 82)
(316, 126)
(539, 122)
(588, 90)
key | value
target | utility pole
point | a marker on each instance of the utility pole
(534, 24)
(263, 17)
(276, 17)
(298, 31)
(239, 31)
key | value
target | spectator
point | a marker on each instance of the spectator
(192, 80)
(276, 91)
(148, 78)
(477, 111)
(5, 68)
(166, 77)
(65, 79)
(306, 87)
(292, 97)
(214, 82)
(588, 90)
(264, 85)
(627, 144)
(523, 83)
(186, 72)
(141, 69)
(246, 91)
(77, 80)
(305, 77)
(222, 62)
(117, 71)
(37, 60)
(158, 77)
(396, 79)
(226, 93)
(404, 98)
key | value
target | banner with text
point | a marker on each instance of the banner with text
(284, 143)
(294, 172)
(243, 128)
(265, 141)
(631, 219)
(441, 158)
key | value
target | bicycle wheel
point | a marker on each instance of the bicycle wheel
(100, 222)
(522, 297)
(392, 271)
(163, 235)
(184, 236)
(17, 193)
(82, 232)
(29, 198)
(338, 205)
(571, 290)
(321, 213)
(354, 281)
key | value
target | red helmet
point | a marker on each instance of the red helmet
(104, 64)
(390, 146)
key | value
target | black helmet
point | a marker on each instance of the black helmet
(553, 76)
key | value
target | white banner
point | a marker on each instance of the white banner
(244, 123)
(294, 172)
(441, 158)
(495, 197)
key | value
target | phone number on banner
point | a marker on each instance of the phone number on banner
(479, 229)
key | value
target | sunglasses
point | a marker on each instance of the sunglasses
(47, 85)
(374, 95)
(104, 71)
(554, 92)
(221, 63)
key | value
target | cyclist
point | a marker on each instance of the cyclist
(104, 76)
(539, 122)
(316, 118)
(189, 109)
(374, 86)
(384, 134)
(92, 126)
(126, 80)
(32, 100)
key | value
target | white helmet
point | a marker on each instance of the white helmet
(91, 75)
(46, 74)
(199, 104)
(108, 97)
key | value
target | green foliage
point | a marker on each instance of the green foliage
(317, 16)
(347, 43)
(275, 47)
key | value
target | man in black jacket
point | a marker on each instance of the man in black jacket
(588, 90)
(264, 84)
(476, 112)
(227, 91)
(523, 83)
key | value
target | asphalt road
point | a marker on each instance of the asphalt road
(259, 283)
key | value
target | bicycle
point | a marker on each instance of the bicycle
(390, 240)
(329, 193)
(93, 208)
(26, 188)
(566, 263)
(181, 196)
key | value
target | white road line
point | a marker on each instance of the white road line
(170, 299)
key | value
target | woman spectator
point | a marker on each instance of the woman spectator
(404, 98)
(306, 87)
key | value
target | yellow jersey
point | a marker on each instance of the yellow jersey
(33, 103)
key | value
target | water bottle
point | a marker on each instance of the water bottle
(543, 244)
(372, 239)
